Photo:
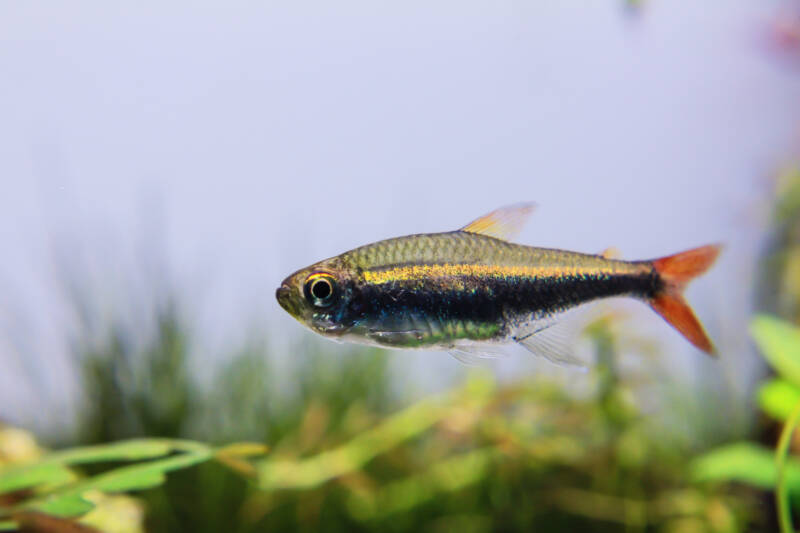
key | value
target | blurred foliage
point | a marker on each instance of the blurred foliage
(37, 489)
(347, 454)
(482, 457)
(137, 389)
(754, 464)
(778, 341)
(146, 388)
(46, 490)
(779, 286)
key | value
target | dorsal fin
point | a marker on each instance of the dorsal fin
(611, 253)
(504, 223)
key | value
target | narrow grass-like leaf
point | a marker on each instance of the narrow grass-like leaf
(243, 449)
(129, 450)
(145, 475)
(65, 506)
(36, 474)
(69, 501)
(235, 456)
(779, 342)
(52, 468)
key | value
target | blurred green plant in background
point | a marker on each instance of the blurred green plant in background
(779, 286)
(325, 443)
(778, 341)
(779, 397)
(482, 457)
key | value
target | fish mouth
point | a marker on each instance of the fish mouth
(283, 295)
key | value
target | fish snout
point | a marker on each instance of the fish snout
(284, 296)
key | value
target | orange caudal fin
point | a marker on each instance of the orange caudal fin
(674, 309)
(676, 271)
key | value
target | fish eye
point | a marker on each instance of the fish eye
(320, 289)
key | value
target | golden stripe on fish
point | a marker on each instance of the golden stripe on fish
(414, 272)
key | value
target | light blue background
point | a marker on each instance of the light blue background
(222, 146)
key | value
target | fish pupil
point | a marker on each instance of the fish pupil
(321, 289)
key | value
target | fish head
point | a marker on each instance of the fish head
(318, 297)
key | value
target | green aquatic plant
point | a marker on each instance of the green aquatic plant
(782, 487)
(755, 464)
(519, 456)
(347, 452)
(778, 289)
(51, 485)
(348, 456)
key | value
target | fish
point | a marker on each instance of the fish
(472, 291)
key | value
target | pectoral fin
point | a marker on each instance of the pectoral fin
(475, 354)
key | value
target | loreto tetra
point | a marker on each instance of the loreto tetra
(470, 291)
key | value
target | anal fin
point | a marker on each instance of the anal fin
(554, 340)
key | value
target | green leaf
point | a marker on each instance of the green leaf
(781, 458)
(144, 476)
(23, 477)
(778, 398)
(64, 506)
(779, 342)
(68, 501)
(8, 525)
(52, 468)
(130, 450)
(235, 456)
(243, 449)
(746, 463)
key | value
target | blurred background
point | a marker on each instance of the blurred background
(164, 167)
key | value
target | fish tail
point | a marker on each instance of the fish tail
(675, 272)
